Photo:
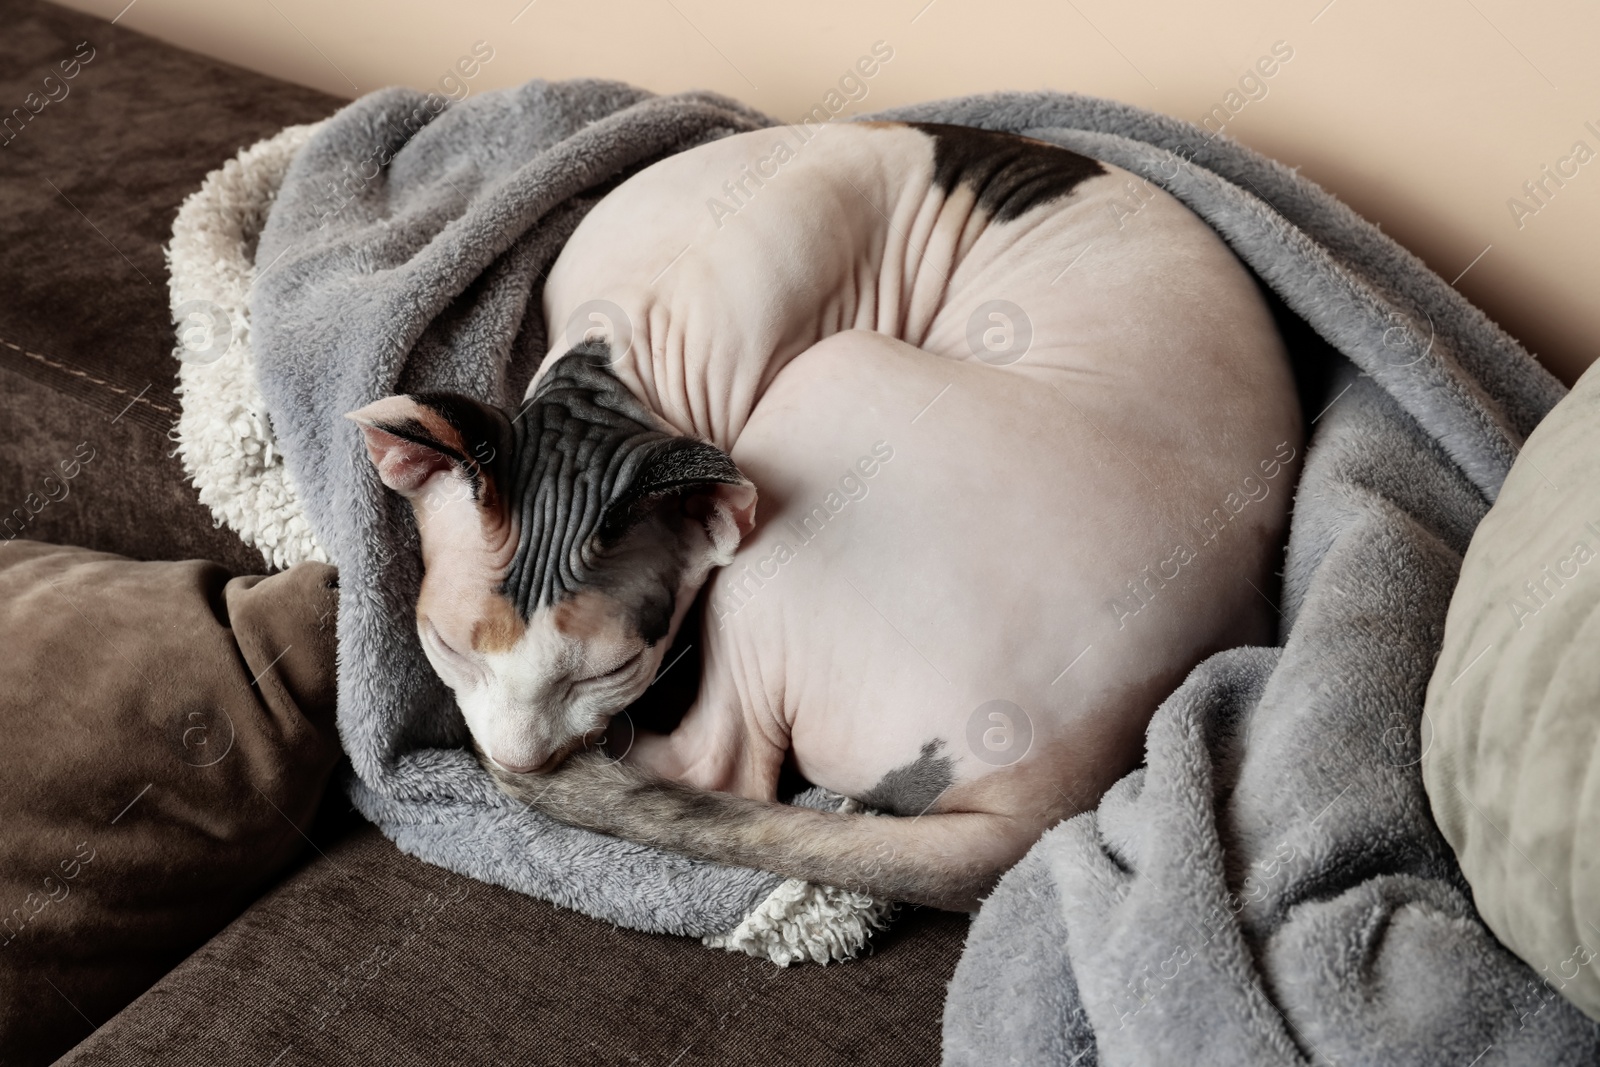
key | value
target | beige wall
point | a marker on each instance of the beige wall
(1426, 116)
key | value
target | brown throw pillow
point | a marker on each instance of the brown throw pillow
(166, 733)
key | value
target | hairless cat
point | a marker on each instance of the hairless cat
(1024, 434)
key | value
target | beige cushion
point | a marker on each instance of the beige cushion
(1512, 770)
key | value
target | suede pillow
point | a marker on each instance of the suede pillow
(166, 730)
(1513, 764)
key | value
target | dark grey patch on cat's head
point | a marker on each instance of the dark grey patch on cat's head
(911, 788)
(593, 481)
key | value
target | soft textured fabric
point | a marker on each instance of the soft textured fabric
(84, 323)
(1271, 888)
(222, 432)
(1512, 756)
(370, 957)
(165, 731)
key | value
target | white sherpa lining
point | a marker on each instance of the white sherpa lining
(222, 433)
(800, 921)
(228, 452)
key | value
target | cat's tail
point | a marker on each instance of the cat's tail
(948, 860)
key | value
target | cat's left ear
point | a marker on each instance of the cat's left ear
(411, 438)
(706, 486)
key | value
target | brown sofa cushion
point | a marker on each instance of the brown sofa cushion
(89, 187)
(165, 732)
(372, 957)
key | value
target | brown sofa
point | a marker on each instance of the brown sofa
(360, 954)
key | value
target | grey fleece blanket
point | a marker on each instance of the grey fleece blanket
(1269, 889)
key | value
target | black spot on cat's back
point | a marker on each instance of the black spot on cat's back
(911, 788)
(1011, 175)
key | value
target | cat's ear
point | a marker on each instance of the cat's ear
(412, 438)
(704, 483)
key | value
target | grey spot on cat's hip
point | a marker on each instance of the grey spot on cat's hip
(911, 788)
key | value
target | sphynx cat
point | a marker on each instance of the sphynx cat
(1024, 435)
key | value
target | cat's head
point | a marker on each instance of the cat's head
(562, 544)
